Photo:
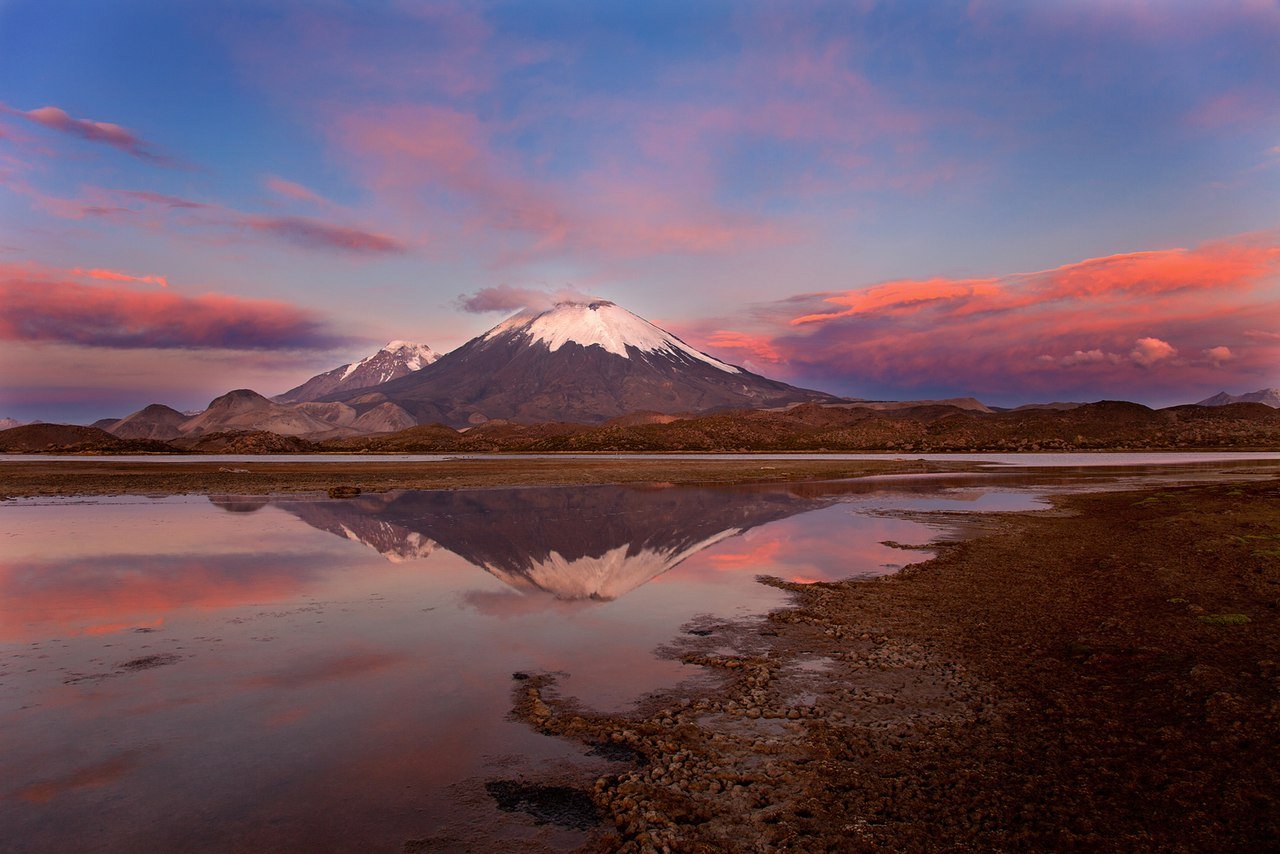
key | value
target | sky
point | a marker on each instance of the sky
(1018, 201)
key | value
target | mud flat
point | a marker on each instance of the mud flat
(1104, 674)
(103, 476)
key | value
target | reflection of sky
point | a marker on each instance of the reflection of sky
(320, 693)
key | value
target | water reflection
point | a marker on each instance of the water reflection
(298, 674)
(583, 543)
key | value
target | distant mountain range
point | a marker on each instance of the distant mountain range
(1268, 396)
(811, 427)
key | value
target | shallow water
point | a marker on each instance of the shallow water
(1050, 460)
(258, 673)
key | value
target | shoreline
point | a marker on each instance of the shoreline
(1100, 674)
(105, 475)
(100, 476)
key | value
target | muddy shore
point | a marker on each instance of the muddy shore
(1102, 675)
(104, 476)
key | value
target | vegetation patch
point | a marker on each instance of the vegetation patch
(1224, 619)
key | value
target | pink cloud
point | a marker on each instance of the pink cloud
(38, 308)
(293, 190)
(313, 234)
(1111, 325)
(115, 276)
(107, 133)
(1218, 356)
(1234, 108)
(437, 160)
(1149, 351)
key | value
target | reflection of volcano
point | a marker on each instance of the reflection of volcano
(364, 521)
(595, 542)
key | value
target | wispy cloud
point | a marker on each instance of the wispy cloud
(107, 133)
(314, 234)
(116, 276)
(144, 208)
(293, 190)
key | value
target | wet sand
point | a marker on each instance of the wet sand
(1103, 674)
(102, 476)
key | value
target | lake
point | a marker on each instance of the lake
(254, 673)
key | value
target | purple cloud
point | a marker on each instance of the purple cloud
(108, 133)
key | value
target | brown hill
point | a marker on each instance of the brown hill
(246, 410)
(72, 439)
(156, 421)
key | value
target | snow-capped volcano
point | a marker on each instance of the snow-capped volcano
(585, 361)
(603, 324)
(393, 361)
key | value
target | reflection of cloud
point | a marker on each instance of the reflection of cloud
(89, 777)
(136, 590)
(348, 666)
(755, 555)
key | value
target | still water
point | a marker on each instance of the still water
(267, 673)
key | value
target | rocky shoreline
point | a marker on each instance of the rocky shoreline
(1101, 675)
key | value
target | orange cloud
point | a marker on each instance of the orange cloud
(755, 347)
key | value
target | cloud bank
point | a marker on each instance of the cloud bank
(1161, 321)
(41, 309)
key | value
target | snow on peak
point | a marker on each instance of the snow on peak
(414, 357)
(602, 323)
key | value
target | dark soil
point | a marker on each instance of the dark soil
(105, 476)
(559, 805)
